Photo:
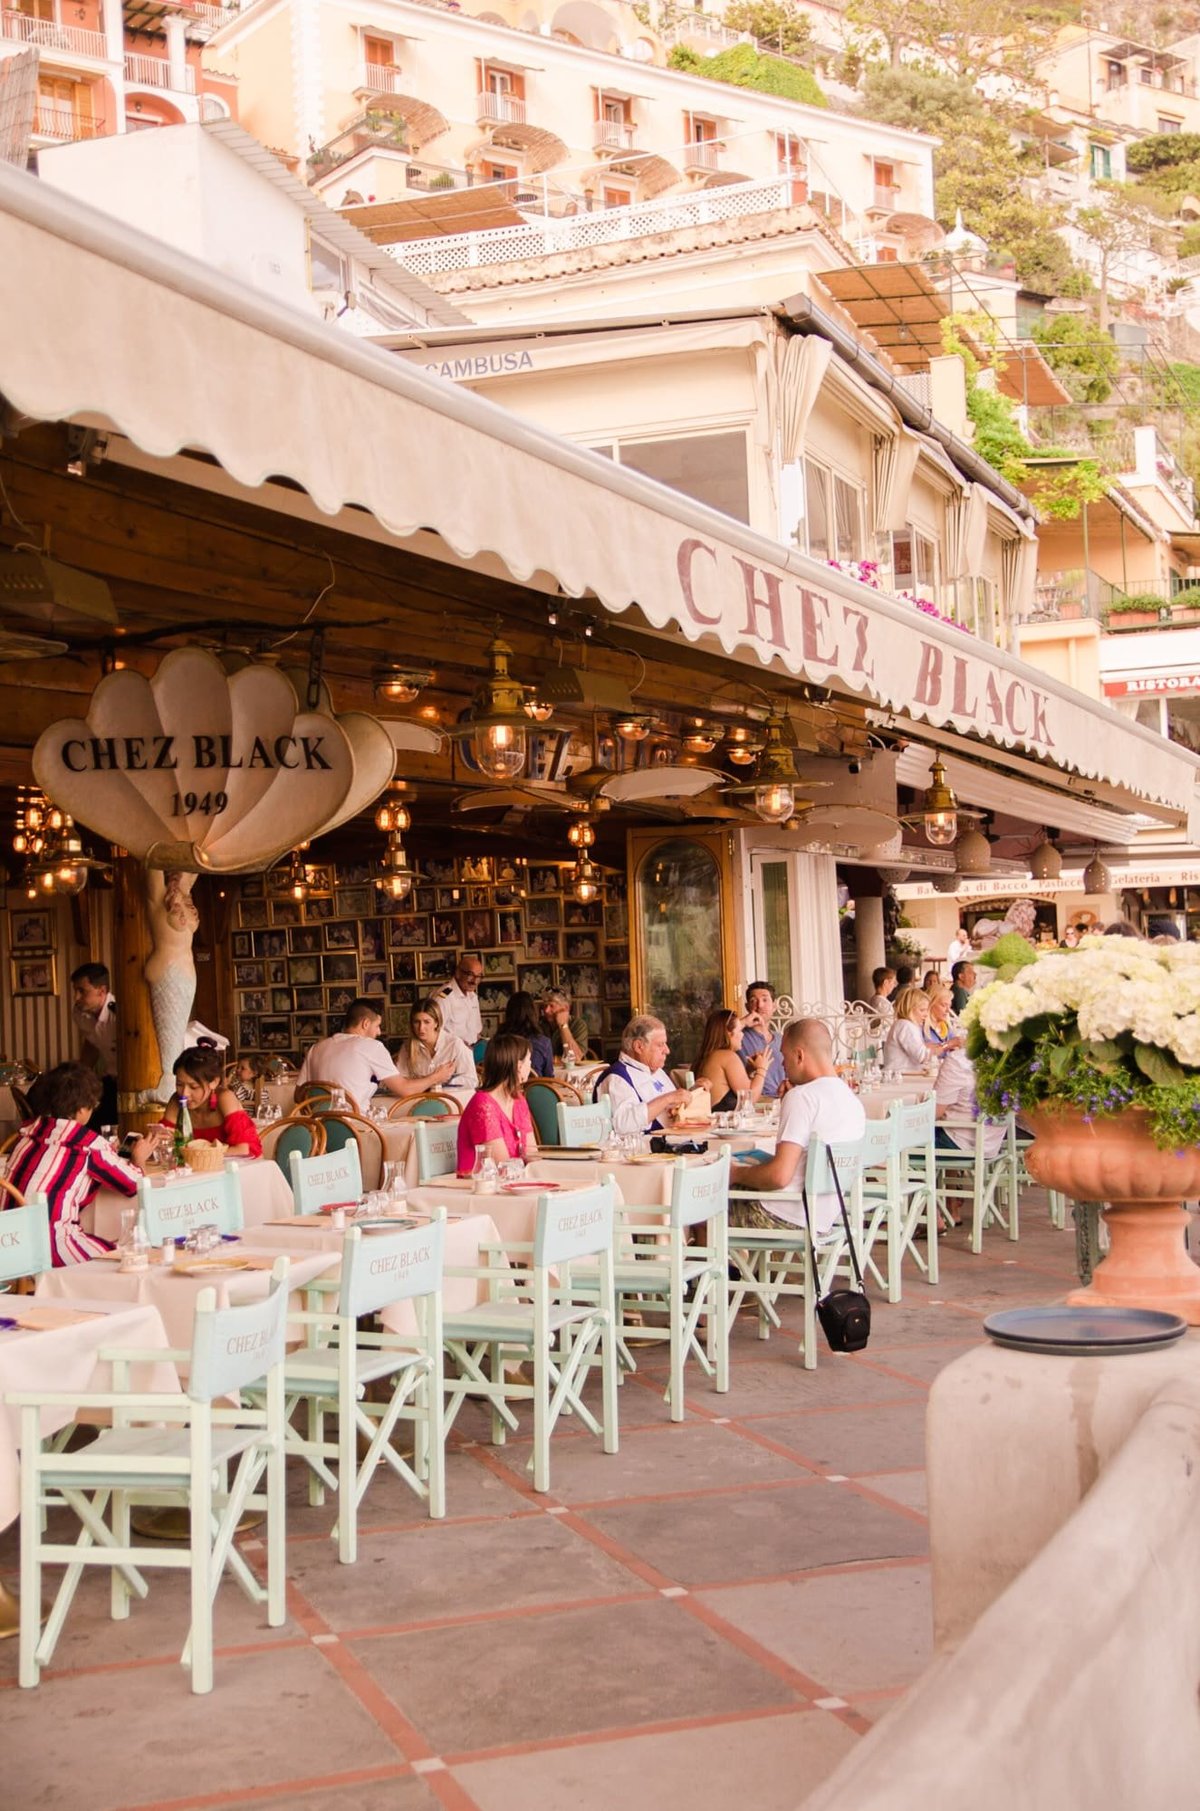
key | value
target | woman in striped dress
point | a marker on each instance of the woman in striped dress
(56, 1155)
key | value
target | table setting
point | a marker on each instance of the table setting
(265, 1193)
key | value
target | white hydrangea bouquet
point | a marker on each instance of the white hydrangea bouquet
(1112, 1024)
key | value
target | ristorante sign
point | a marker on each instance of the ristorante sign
(210, 771)
(827, 635)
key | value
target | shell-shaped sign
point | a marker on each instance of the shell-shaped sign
(222, 770)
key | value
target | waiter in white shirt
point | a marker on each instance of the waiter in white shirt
(961, 948)
(459, 1002)
(94, 1011)
(640, 1092)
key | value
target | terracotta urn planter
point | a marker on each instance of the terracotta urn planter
(1116, 1161)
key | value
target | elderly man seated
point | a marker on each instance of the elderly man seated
(818, 1104)
(640, 1092)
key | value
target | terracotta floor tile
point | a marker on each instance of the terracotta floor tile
(761, 1533)
(769, 1763)
(567, 1673)
(906, 1487)
(867, 1630)
(888, 1437)
(125, 1739)
(689, 1455)
(450, 1570)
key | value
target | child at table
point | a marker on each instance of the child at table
(56, 1155)
(249, 1079)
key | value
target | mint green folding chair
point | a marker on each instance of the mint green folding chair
(172, 1209)
(163, 1448)
(899, 1199)
(772, 1262)
(989, 1184)
(589, 1124)
(25, 1240)
(437, 1149)
(535, 1312)
(689, 1281)
(330, 1375)
(334, 1179)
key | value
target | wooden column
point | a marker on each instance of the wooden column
(138, 1065)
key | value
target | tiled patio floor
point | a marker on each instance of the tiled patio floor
(712, 1616)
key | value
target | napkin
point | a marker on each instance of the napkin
(47, 1319)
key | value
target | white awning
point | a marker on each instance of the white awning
(104, 324)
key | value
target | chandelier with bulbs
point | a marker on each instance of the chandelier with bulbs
(50, 846)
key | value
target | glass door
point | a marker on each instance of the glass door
(776, 955)
(681, 947)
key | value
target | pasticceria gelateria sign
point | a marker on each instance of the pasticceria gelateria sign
(203, 769)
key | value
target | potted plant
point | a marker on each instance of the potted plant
(1185, 605)
(1098, 1048)
(1141, 611)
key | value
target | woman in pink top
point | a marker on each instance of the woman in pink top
(498, 1116)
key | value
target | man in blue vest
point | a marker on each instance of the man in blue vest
(757, 1035)
(642, 1097)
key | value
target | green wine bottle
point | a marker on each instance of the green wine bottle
(183, 1131)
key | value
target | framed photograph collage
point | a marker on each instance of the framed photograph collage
(294, 966)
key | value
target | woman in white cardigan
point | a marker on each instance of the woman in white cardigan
(906, 1047)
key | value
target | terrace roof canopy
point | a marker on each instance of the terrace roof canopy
(275, 396)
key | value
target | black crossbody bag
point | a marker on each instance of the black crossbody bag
(844, 1314)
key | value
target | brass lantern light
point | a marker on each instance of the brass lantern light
(939, 810)
(497, 724)
(585, 882)
(772, 792)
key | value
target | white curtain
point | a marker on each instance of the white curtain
(1018, 563)
(895, 461)
(816, 904)
(800, 366)
(966, 532)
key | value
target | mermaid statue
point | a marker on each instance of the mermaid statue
(170, 967)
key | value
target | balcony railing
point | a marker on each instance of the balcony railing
(50, 121)
(578, 229)
(156, 72)
(614, 135)
(493, 109)
(702, 154)
(49, 36)
(887, 197)
(380, 78)
(211, 18)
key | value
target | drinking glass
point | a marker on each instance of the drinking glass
(742, 1111)
(512, 1170)
(394, 1186)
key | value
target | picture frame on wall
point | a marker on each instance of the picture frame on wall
(29, 931)
(253, 887)
(423, 899)
(479, 896)
(581, 946)
(306, 940)
(248, 974)
(253, 999)
(508, 927)
(402, 993)
(410, 930)
(476, 929)
(353, 902)
(285, 911)
(241, 946)
(320, 880)
(353, 874)
(494, 998)
(449, 899)
(373, 981)
(544, 880)
(341, 937)
(543, 914)
(477, 868)
(372, 939)
(498, 964)
(543, 946)
(275, 1034)
(435, 965)
(616, 984)
(577, 915)
(277, 972)
(446, 929)
(307, 1028)
(535, 978)
(337, 999)
(440, 869)
(33, 975)
(310, 999)
(270, 943)
(404, 965)
(318, 911)
(247, 1032)
(341, 966)
(395, 1021)
(252, 914)
(304, 971)
(583, 980)
(616, 954)
(282, 999)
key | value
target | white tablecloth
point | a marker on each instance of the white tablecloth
(877, 1100)
(265, 1196)
(464, 1237)
(170, 1292)
(65, 1358)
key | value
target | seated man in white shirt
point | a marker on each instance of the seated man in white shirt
(818, 1104)
(355, 1061)
(640, 1091)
